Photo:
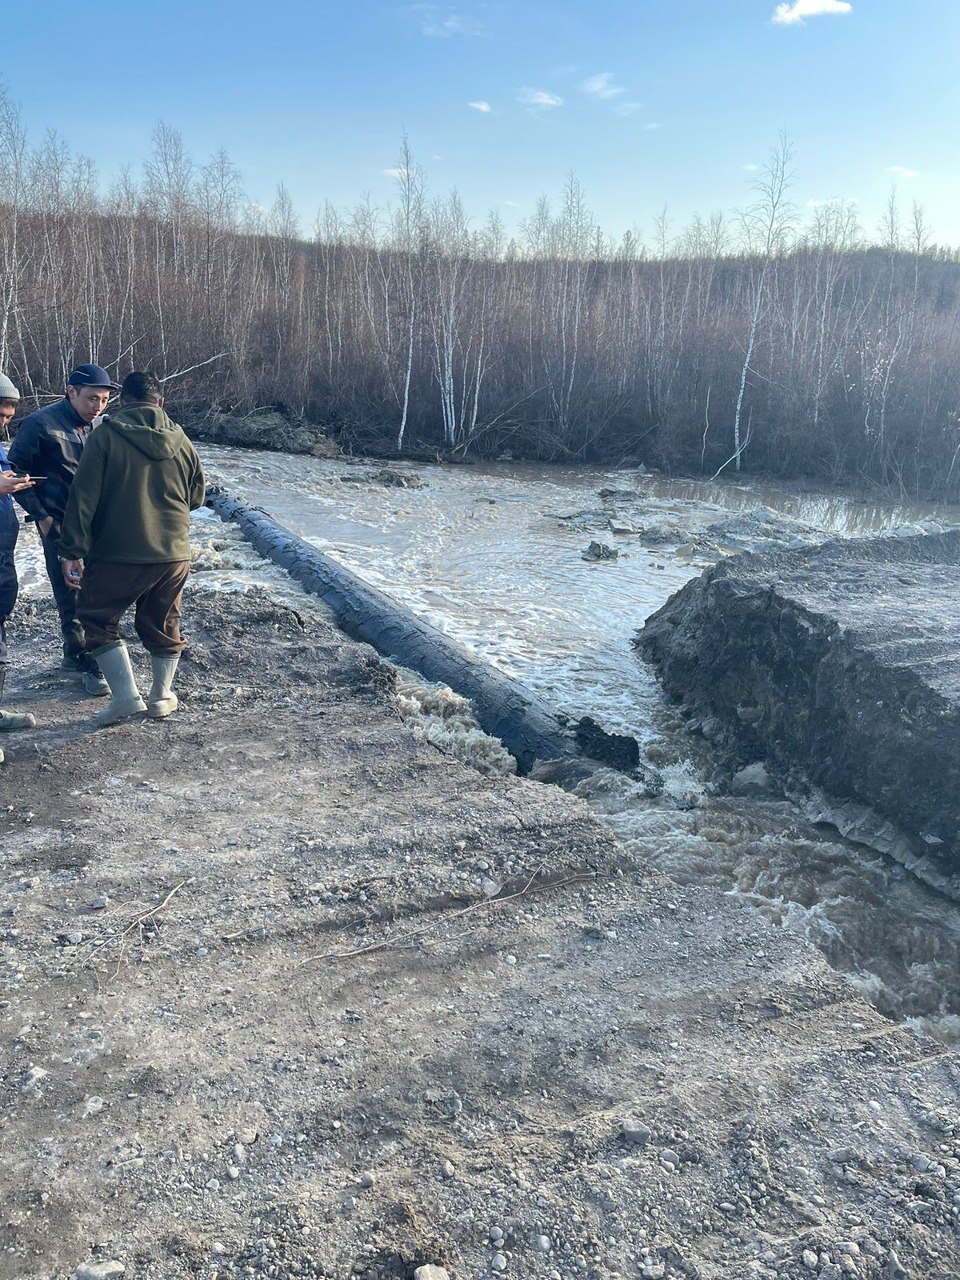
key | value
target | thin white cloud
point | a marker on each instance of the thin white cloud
(627, 108)
(789, 15)
(395, 173)
(900, 171)
(651, 126)
(483, 107)
(441, 22)
(539, 99)
(750, 168)
(602, 86)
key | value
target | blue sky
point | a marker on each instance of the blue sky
(648, 102)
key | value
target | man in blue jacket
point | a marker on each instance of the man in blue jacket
(10, 484)
(48, 443)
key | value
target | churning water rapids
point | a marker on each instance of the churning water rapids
(492, 555)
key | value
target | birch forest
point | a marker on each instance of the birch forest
(758, 341)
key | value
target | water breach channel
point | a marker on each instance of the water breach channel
(493, 557)
(503, 706)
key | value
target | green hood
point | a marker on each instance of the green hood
(147, 428)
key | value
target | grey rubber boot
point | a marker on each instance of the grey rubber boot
(161, 700)
(9, 722)
(125, 700)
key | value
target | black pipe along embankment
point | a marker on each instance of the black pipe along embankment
(503, 707)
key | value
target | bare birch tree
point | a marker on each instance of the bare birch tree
(765, 227)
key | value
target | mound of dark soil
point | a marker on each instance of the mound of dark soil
(841, 661)
(262, 431)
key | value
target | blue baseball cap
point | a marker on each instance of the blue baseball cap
(91, 375)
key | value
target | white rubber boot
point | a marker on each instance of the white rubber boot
(161, 700)
(11, 721)
(125, 698)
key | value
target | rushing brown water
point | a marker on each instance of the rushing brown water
(493, 556)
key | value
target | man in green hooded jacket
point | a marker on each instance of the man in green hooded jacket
(125, 540)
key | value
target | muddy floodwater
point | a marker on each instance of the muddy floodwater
(494, 556)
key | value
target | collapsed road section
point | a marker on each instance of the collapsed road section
(842, 661)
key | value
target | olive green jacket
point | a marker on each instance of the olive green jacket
(137, 481)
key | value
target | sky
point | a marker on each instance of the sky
(648, 103)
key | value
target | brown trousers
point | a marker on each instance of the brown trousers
(108, 591)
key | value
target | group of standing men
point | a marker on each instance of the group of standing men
(111, 501)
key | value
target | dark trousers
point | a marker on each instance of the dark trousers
(8, 598)
(64, 596)
(108, 591)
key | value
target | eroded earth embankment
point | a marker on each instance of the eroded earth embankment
(289, 993)
(843, 661)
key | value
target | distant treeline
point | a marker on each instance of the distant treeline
(794, 350)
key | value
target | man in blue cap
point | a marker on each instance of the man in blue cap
(48, 444)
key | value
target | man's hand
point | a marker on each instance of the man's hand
(72, 573)
(10, 482)
(45, 525)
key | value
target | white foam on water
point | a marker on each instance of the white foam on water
(682, 785)
(435, 714)
(31, 569)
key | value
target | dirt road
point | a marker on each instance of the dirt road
(288, 993)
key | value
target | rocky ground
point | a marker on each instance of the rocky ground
(704, 532)
(288, 992)
(263, 430)
(701, 531)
